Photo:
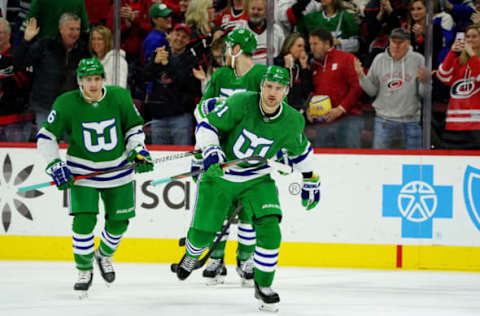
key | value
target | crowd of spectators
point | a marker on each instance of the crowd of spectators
(365, 57)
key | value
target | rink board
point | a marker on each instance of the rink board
(379, 209)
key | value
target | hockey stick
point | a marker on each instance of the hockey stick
(270, 162)
(201, 262)
(103, 172)
(84, 176)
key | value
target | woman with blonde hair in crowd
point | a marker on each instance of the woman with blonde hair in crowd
(101, 46)
(460, 71)
(200, 16)
(294, 57)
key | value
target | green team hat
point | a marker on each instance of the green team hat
(90, 67)
(246, 39)
(159, 10)
(277, 74)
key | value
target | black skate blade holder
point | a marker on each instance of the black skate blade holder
(201, 262)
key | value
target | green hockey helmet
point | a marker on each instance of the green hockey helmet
(243, 37)
(277, 74)
(90, 67)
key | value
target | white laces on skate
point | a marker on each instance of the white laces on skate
(214, 264)
(247, 266)
(84, 276)
(188, 263)
(106, 264)
(267, 291)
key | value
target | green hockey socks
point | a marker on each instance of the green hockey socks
(83, 238)
(83, 242)
(197, 241)
(267, 249)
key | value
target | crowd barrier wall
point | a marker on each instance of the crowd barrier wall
(378, 209)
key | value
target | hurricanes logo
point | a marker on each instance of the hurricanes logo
(463, 88)
(10, 198)
(394, 84)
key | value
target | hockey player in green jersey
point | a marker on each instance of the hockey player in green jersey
(104, 131)
(246, 124)
(240, 74)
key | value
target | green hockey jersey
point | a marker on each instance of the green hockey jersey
(242, 130)
(342, 24)
(100, 134)
(224, 83)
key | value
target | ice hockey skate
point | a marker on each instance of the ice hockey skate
(268, 299)
(83, 283)
(105, 266)
(215, 272)
(185, 267)
(245, 271)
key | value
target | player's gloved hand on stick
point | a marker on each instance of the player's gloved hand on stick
(142, 157)
(60, 173)
(196, 164)
(212, 157)
(311, 191)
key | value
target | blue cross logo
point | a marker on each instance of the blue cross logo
(417, 201)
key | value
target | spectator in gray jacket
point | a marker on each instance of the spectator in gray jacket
(396, 79)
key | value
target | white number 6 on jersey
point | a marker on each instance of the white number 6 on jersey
(51, 116)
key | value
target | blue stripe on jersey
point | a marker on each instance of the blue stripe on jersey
(40, 135)
(132, 134)
(248, 172)
(207, 126)
(301, 157)
(78, 165)
(120, 175)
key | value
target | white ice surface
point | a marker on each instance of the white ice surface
(45, 289)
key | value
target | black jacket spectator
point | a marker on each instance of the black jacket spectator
(380, 21)
(301, 83)
(175, 90)
(54, 69)
(13, 86)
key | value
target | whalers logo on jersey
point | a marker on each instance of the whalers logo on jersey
(249, 144)
(98, 136)
(226, 92)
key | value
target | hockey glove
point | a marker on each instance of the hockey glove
(311, 191)
(212, 157)
(142, 157)
(60, 173)
(197, 164)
